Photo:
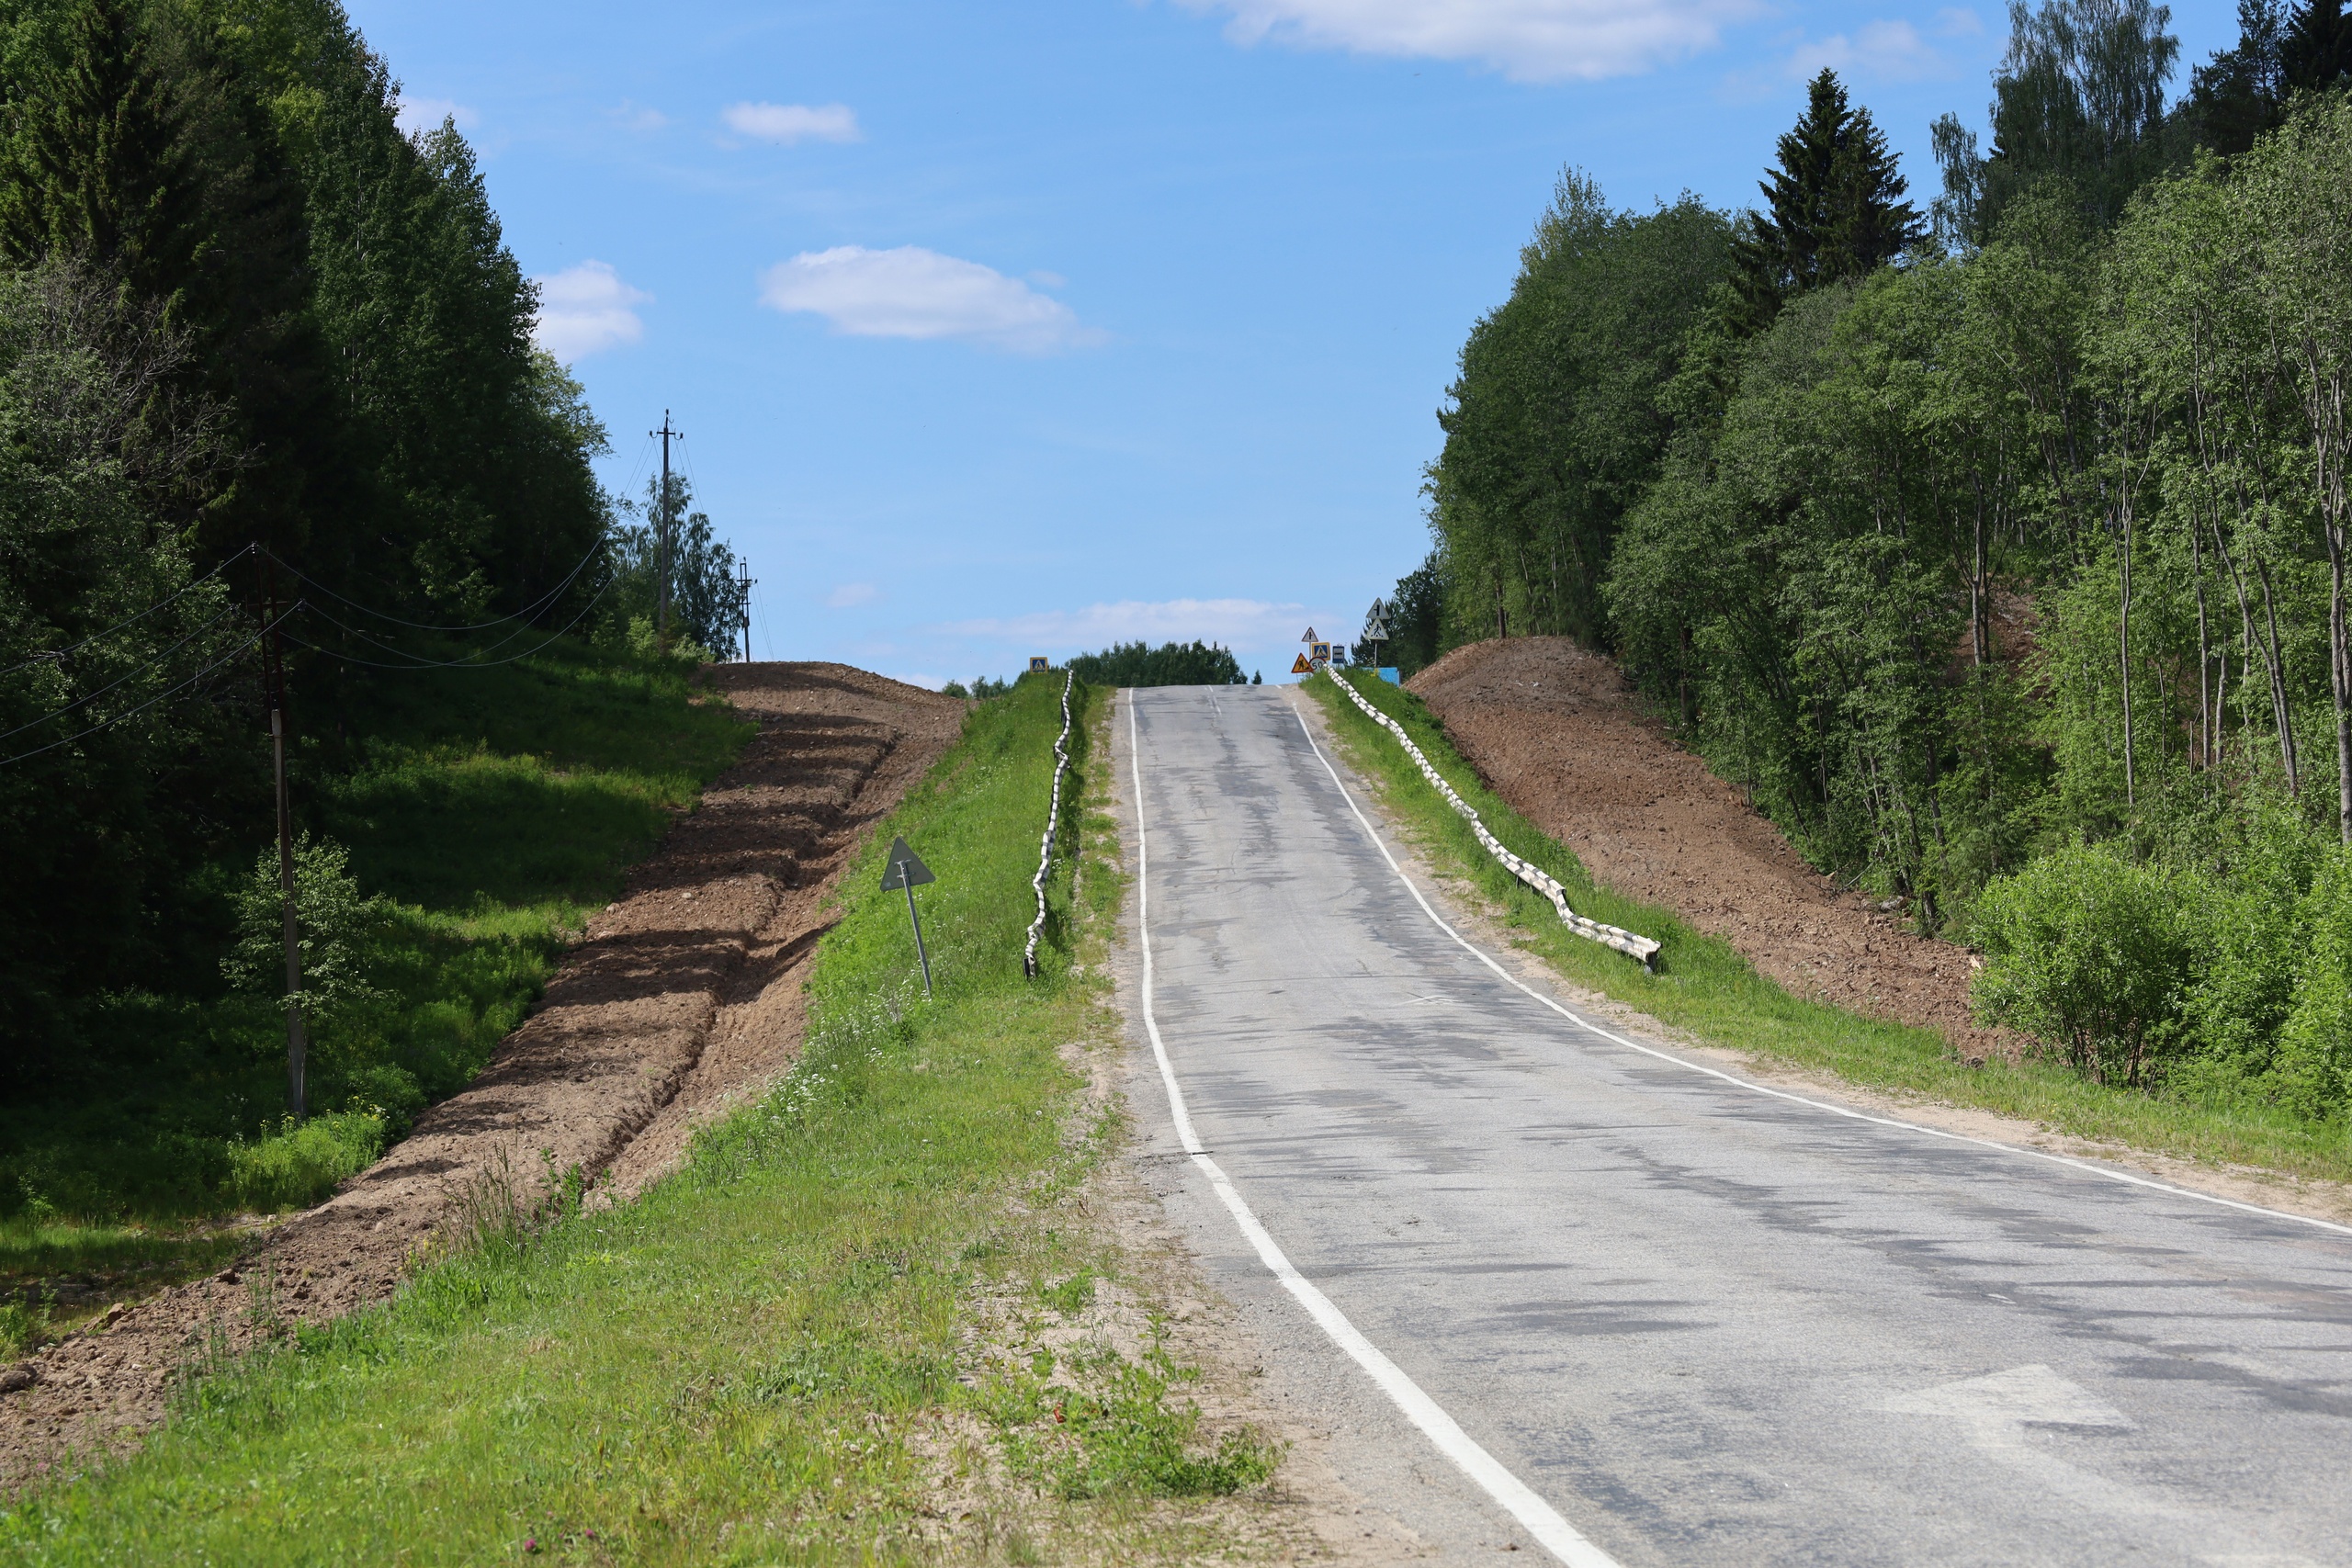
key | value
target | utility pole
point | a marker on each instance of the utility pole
(274, 698)
(747, 579)
(662, 612)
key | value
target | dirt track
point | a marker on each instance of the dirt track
(1558, 733)
(681, 997)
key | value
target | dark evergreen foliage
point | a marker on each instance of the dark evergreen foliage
(238, 306)
(1171, 664)
(2315, 54)
(1834, 210)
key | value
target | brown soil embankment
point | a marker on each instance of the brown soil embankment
(680, 998)
(1557, 732)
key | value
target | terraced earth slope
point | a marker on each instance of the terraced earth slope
(1557, 731)
(680, 998)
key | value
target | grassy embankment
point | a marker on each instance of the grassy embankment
(1706, 988)
(769, 1357)
(490, 810)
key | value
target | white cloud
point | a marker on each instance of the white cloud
(1888, 51)
(915, 293)
(426, 114)
(638, 116)
(851, 595)
(1237, 623)
(1528, 40)
(790, 123)
(586, 308)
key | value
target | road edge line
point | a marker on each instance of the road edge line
(1479, 953)
(1558, 1537)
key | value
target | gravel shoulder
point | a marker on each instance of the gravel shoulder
(681, 998)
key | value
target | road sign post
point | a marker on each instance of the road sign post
(905, 869)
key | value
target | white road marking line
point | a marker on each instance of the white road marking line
(1540, 1518)
(1512, 980)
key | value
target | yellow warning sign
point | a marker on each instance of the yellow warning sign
(1299, 666)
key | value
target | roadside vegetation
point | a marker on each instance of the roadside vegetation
(1705, 986)
(485, 813)
(770, 1356)
(1993, 548)
(267, 372)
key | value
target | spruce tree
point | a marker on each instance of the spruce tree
(1834, 209)
(2316, 53)
(105, 173)
(2240, 93)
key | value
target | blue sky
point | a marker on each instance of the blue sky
(1021, 328)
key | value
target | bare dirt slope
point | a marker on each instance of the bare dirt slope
(680, 998)
(1557, 732)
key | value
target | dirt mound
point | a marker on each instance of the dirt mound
(1558, 733)
(680, 998)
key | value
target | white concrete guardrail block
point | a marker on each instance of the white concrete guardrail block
(1644, 948)
(1053, 820)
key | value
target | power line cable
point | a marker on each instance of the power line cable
(94, 636)
(102, 691)
(453, 663)
(533, 608)
(416, 660)
(160, 696)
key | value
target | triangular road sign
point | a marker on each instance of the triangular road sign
(904, 868)
(1299, 666)
(1310, 635)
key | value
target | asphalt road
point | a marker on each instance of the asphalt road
(1702, 1323)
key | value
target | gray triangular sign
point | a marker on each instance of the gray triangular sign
(904, 868)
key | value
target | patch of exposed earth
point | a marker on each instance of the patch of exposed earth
(681, 998)
(1558, 733)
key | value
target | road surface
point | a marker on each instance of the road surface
(1694, 1322)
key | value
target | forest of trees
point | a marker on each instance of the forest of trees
(1999, 549)
(259, 347)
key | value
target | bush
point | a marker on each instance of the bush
(2092, 952)
(2311, 1071)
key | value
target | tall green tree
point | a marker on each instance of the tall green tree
(2315, 50)
(2079, 99)
(1834, 209)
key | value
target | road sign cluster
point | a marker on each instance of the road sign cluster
(1323, 655)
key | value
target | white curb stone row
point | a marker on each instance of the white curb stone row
(1641, 947)
(1053, 820)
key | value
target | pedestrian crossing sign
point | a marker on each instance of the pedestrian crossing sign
(1038, 664)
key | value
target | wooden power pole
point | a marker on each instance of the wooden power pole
(744, 568)
(661, 534)
(274, 697)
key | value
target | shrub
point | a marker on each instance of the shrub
(2311, 1070)
(2091, 953)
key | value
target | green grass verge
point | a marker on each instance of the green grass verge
(759, 1360)
(494, 808)
(1706, 988)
